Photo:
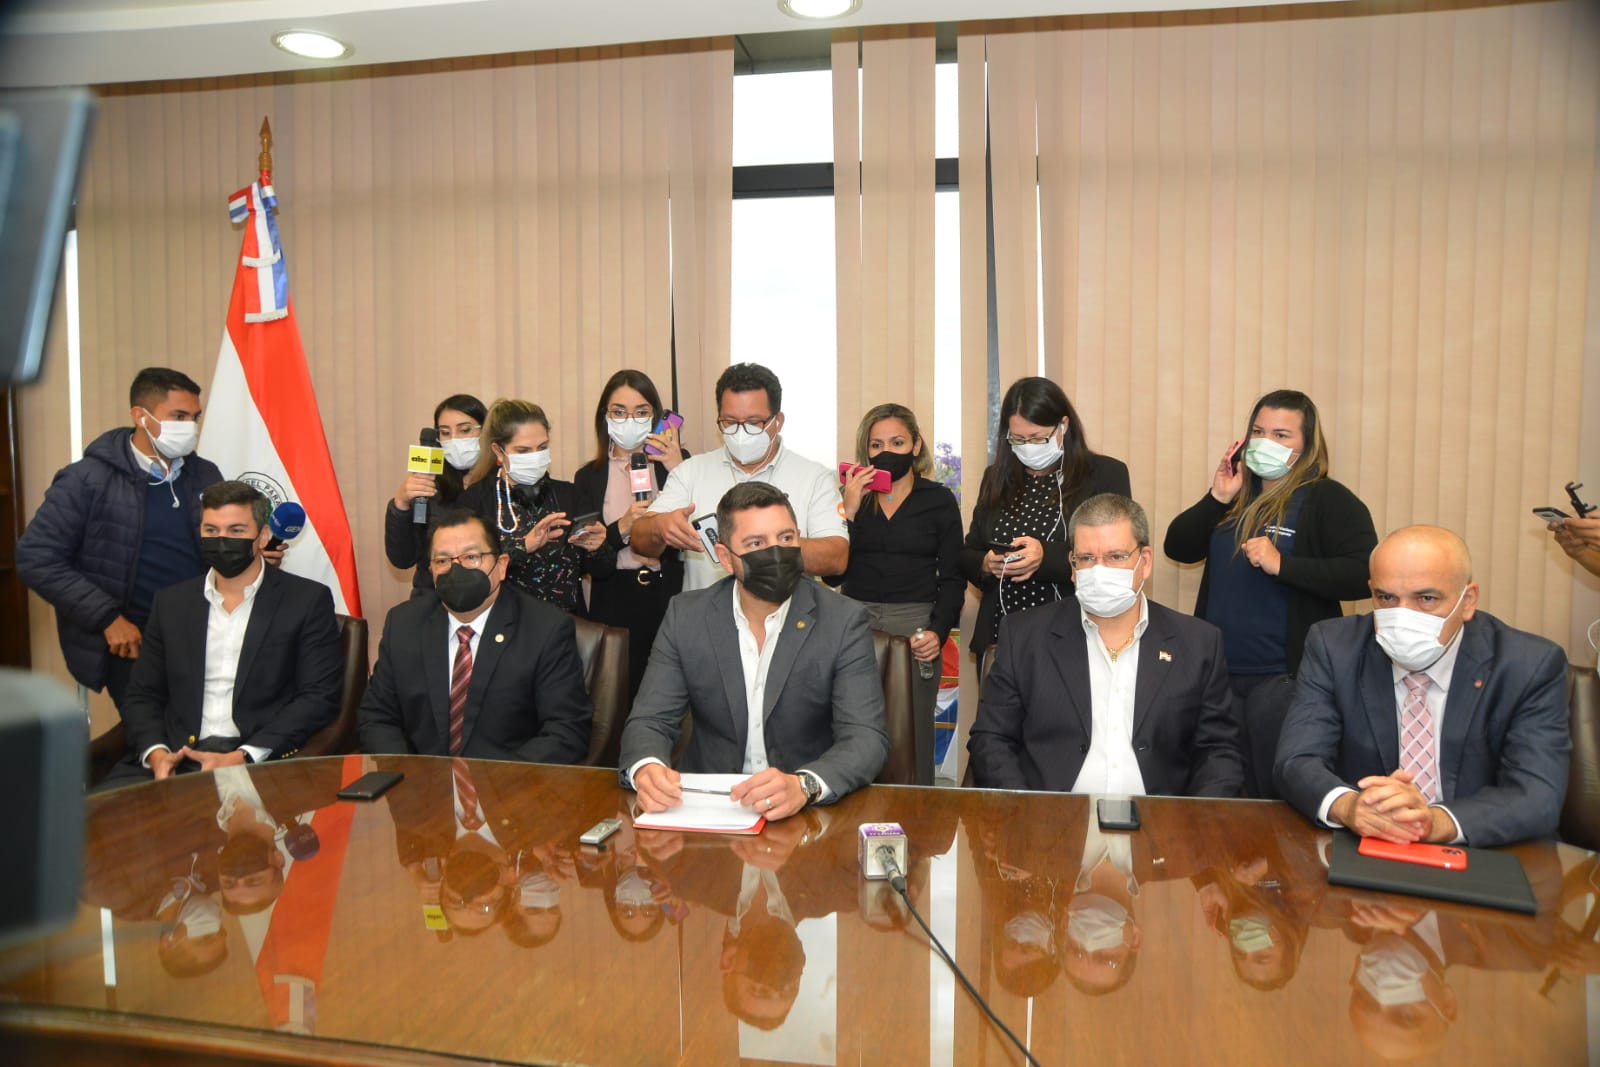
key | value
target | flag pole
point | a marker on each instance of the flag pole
(264, 160)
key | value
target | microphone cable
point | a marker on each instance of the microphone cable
(897, 880)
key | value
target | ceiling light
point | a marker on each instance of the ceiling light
(819, 9)
(310, 44)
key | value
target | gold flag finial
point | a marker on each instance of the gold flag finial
(265, 159)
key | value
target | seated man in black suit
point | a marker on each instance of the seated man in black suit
(778, 674)
(1147, 707)
(1430, 721)
(482, 670)
(239, 665)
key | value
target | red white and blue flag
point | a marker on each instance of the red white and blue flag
(262, 425)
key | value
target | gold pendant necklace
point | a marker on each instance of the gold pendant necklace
(1115, 652)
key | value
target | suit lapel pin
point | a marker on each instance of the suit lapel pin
(800, 625)
(1478, 684)
(499, 639)
(1164, 656)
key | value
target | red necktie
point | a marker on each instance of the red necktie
(1416, 735)
(460, 681)
(468, 794)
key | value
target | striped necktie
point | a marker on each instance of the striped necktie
(1416, 736)
(460, 681)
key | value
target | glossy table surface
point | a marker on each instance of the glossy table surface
(1211, 935)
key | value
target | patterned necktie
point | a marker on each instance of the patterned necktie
(1416, 736)
(460, 680)
(468, 794)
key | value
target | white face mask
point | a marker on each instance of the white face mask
(1411, 638)
(1250, 934)
(1392, 974)
(1268, 459)
(1096, 922)
(177, 438)
(628, 434)
(1038, 456)
(528, 468)
(1031, 928)
(747, 448)
(633, 890)
(539, 890)
(461, 452)
(200, 915)
(1106, 592)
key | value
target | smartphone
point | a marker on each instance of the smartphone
(1447, 857)
(1551, 514)
(370, 786)
(599, 831)
(668, 427)
(706, 526)
(1238, 454)
(579, 523)
(1002, 548)
(881, 482)
(1117, 814)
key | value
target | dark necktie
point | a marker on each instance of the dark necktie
(460, 681)
(468, 794)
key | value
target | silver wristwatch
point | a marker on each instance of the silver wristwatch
(812, 785)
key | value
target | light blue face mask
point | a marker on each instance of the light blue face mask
(1268, 459)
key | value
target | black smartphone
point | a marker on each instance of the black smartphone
(1551, 514)
(1238, 454)
(1116, 814)
(370, 786)
(1577, 501)
(1002, 548)
(577, 524)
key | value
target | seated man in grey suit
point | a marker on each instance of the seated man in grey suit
(1105, 692)
(1430, 721)
(777, 673)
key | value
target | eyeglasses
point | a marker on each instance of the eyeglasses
(1085, 560)
(465, 429)
(749, 426)
(619, 412)
(470, 559)
(1037, 439)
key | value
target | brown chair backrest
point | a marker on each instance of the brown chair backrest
(896, 668)
(1580, 815)
(342, 735)
(603, 651)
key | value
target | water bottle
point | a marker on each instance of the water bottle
(925, 667)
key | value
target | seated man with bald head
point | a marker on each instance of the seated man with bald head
(1429, 720)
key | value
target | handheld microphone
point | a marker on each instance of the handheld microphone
(287, 520)
(639, 476)
(425, 458)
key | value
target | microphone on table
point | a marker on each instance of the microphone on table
(639, 476)
(287, 520)
(426, 457)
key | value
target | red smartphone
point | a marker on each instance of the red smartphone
(1448, 857)
(881, 482)
(668, 427)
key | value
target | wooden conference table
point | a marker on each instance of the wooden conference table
(395, 936)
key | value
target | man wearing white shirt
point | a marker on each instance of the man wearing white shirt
(750, 419)
(239, 665)
(1147, 707)
(1431, 720)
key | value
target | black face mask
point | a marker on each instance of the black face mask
(772, 573)
(896, 463)
(462, 589)
(228, 556)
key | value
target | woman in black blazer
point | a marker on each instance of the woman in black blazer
(458, 420)
(633, 596)
(1282, 542)
(1042, 470)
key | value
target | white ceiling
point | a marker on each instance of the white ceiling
(87, 42)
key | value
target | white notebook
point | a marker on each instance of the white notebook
(719, 814)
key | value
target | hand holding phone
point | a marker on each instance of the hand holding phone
(671, 422)
(880, 483)
(1551, 514)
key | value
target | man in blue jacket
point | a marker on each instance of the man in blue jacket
(119, 525)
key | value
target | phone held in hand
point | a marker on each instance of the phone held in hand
(668, 427)
(1551, 514)
(881, 482)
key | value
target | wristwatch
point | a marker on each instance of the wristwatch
(812, 785)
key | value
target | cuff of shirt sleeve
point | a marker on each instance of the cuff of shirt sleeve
(1327, 803)
(144, 757)
(1461, 834)
(256, 753)
(635, 768)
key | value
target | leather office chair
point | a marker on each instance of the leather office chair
(603, 651)
(897, 670)
(1580, 815)
(342, 735)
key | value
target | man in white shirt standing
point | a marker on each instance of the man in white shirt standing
(237, 666)
(1147, 709)
(750, 418)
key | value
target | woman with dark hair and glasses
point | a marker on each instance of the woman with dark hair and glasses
(1017, 551)
(635, 595)
(1282, 542)
(458, 420)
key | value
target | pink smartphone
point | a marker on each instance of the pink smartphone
(1445, 856)
(668, 427)
(881, 482)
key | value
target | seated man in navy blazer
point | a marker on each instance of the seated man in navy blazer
(777, 672)
(237, 666)
(479, 670)
(1105, 692)
(1431, 720)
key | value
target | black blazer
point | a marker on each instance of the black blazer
(1106, 475)
(1505, 742)
(527, 699)
(589, 483)
(1185, 735)
(290, 668)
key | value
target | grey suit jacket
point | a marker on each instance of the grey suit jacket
(823, 700)
(1503, 748)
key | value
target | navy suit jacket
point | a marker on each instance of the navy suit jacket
(1503, 748)
(526, 701)
(1036, 712)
